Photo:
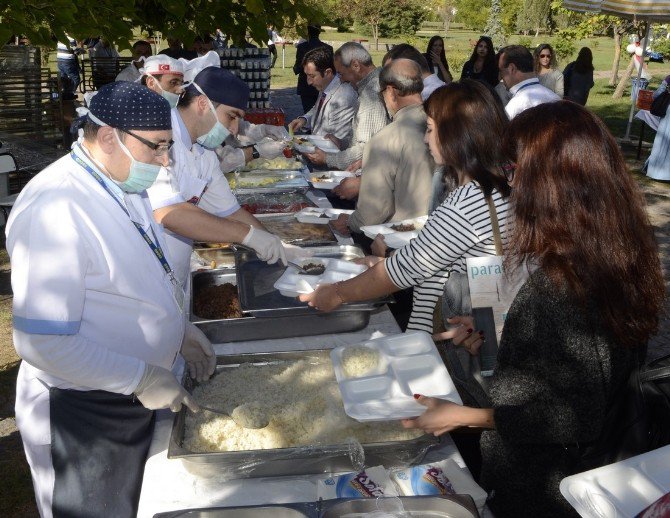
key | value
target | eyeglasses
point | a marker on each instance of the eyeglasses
(158, 149)
(545, 56)
(508, 169)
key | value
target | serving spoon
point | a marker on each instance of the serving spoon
(313, 270)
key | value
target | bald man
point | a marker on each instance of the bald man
(397, 166)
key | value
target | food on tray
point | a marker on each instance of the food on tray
(312, 269)
(292, 231)
(403, 227)
(279, 162)
(300, 399)
(249, 182)
(261, 208)
(212, 245)
(360, 361)
(216, 302)
(324, 178)
(274, 203)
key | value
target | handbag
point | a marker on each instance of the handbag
(659, 106)
(464, 368)
(637, 419)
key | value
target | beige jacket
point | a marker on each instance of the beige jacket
(397, 172)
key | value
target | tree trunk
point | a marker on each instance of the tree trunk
(617, 56)
(618, 93)
(375, 35)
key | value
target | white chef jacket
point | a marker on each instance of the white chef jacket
(193, 176)
(92, 303)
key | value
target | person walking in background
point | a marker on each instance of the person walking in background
(578, 77)
(546, 69)
(308, 94)
(437, 59)
(273, 37)
(579, 322)
(68, 66)
(482, 64)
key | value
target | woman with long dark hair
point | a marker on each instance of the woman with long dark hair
(581, 320)
(465, 127)
(546, 68)
(578, 77)
(482, 64)
(437, 59)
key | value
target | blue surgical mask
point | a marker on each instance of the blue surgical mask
(141, 175)
(217, 134)
(172, 98)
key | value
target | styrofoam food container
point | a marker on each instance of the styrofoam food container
(622, 489)
(306, 147)
(291, 283)
(409, 363)
(333, 180)
(313, 215)
(326, 145)
(393, 238)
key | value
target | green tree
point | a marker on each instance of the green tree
(115, 19)
(371, 13)
(534, 15)
(494, 27)
(510, 11)
(472, 13)
(403, 18)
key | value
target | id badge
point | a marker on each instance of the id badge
(177, 292)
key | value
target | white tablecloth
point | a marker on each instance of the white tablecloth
(650, 120)
(167, 486)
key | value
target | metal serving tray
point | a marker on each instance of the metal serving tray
(249, 327)
(448, 506)
(259, 297)
(289, 461)
(222, 257)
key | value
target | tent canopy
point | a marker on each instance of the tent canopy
(650, 10)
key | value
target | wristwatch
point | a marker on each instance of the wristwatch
(254, 152)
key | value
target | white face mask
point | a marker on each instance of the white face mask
(172, 98)
(141, 175)
(217, 133)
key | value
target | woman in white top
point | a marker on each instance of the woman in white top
(465, 127)
(546, 68)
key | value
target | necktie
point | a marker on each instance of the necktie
(322, 98)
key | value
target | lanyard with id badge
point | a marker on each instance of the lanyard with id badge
(177, 290)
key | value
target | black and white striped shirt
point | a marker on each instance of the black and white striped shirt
(459, 228)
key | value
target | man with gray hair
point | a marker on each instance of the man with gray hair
(397, 166)
(354, 65)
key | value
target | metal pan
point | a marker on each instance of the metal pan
(450, 506)
(290, 461)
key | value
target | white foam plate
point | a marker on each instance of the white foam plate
(393, 238)
(332, 180)
(326, 145)
(622, 489)
(291, 283)
(409, 364)
(305, 148)
(313, 215)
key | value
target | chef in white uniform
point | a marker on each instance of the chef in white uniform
(192, 198)
(165, 76)
(98, 314)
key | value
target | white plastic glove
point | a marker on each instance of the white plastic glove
(268, 246)
(198, 352)
(270, 148)
(158, 389)
(275, 132)
(295, 253)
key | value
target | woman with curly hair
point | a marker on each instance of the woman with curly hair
(579, 323)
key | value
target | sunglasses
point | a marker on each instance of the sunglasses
(545, 55)
(158, 149)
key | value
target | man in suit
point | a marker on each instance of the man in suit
(337, 104)
(308, 94)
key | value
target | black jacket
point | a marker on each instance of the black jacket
(303, 88)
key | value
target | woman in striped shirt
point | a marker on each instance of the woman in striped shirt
(465, 127)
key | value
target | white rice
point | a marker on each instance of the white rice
(360, 361)
(300, 399)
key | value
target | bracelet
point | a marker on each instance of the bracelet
(337, 292)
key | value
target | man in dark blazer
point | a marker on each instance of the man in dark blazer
(308, 94)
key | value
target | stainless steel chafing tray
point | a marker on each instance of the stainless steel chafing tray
(290, 461)
(222, 257)
(448, 506)
(258, 296)
(250, 327)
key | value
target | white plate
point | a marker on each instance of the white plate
(409, 364)
(332, 180)
(622, 489)
(313, 215)
(393, 238)
(291, 283)
(326, 145)
(305, 148)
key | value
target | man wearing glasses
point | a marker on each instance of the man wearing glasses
(98, 314)
(192, 198)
